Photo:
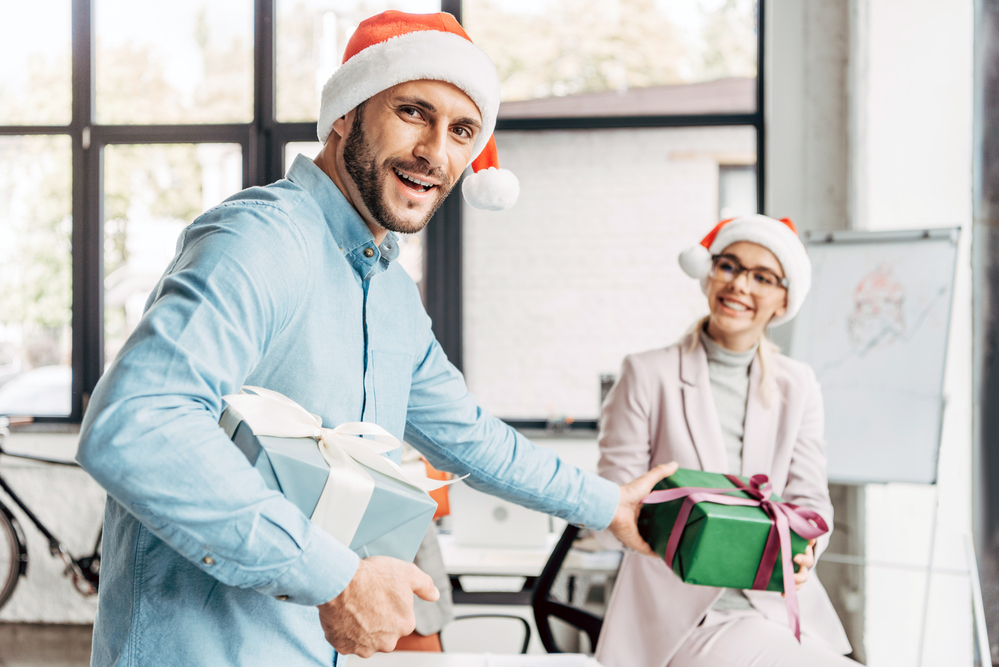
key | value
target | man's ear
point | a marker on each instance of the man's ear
(340, 126)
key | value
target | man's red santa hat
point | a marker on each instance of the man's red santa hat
(395, 47)
(778, 236)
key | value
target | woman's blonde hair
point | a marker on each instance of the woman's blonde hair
(765, 351)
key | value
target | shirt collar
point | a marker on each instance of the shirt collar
(348, 229)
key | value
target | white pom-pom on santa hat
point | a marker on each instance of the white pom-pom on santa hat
(778, 236)
(490, 188)
(696, 261)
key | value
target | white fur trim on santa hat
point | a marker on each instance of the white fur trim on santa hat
(491, 189)
(427, 54)
(778, 238)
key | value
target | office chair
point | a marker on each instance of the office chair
(545, 607)
(467, 617)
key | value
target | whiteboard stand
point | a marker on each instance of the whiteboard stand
(983, 653)
(929, 576)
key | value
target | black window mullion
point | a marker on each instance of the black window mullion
(86, 253)
(625, 122)
(759, 120)
(452, 7)
(264, 153)
(18, 130)
(442, 276)
(169, 134)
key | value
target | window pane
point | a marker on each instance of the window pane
(412, 258)
(35, 275)
(736, 190)
(618, 57)
(35, 80)
(311, 37)
(151, 192)
(560, 288)
(293, 149)
(187, 61)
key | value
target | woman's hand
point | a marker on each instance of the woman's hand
(806, 562)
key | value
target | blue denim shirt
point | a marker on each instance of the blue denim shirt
(281, 287)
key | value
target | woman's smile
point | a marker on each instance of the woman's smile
(733, 306)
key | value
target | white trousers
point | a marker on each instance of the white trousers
(747, 638)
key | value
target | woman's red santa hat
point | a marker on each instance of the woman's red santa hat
(778, 236)
(395, 47)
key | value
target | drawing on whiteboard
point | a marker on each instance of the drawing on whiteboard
(878, 316)
(874, 329)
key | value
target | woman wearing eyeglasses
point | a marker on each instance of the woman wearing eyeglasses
(724, 400)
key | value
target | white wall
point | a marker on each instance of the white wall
(869, 126)
(912, 159)
(807, 112)
(584, 269)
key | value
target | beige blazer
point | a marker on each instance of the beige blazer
(661, 410)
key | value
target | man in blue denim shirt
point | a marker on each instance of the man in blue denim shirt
(293, 287)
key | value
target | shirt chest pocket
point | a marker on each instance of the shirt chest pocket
(392, 375)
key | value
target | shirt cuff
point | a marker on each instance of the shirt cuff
(599, 499)
(322, 571)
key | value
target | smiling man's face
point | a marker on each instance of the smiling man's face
(398, 155)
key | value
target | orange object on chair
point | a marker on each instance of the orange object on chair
(416, 642)
(440, 495)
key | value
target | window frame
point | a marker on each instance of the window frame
(263, 143)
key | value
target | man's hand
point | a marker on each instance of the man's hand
(624, 526)
(376, 608)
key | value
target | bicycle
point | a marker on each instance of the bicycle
(84, 572)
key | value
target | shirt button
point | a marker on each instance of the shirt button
(282, 597)
(369, 252)
(208, 560)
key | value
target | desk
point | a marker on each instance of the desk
(494, 561)
(412, 659)
(460, 560)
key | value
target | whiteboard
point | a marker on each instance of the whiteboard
(874, 329)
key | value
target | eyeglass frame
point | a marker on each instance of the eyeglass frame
(740, 269)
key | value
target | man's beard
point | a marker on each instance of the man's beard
(364, 170)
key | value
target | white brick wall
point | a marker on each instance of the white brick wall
(583, 269)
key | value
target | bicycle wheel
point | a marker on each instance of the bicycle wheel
(11, 550)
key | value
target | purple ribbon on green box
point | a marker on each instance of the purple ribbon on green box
(724, 531)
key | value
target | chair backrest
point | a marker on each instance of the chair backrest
(545, 607)
(516, 628)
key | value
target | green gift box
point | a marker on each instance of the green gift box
(721, 545)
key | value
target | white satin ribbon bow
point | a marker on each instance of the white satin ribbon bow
(349, 486)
